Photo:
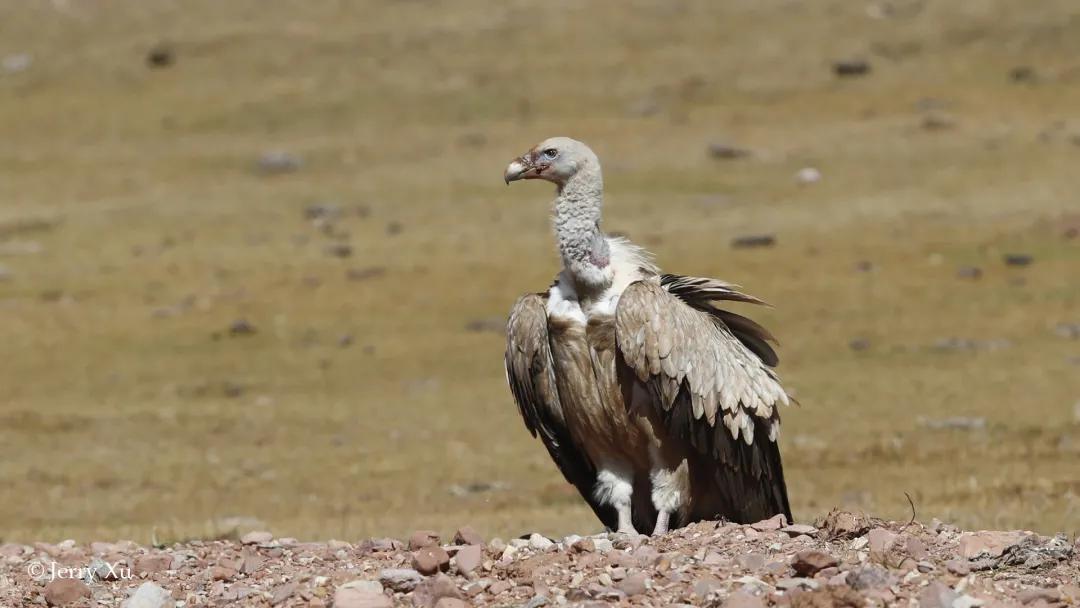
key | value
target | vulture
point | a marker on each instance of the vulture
(659, 406)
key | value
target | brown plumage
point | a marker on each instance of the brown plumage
(658, 406)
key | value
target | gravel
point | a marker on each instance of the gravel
(846, 559)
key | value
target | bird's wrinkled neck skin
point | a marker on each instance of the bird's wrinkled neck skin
(584, 248)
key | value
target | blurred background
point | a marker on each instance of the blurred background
(256, 257)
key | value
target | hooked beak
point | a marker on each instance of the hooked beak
(519, 168)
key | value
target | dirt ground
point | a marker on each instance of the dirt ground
(255, 256)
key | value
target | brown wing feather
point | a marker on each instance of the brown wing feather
(531, 376)
(711, 389)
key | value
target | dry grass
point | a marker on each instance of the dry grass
(137, 183)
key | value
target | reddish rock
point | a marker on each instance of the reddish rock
(809, 563)
(149, 564)
(222, 573)
(844, 525)
(743, 599)
(632, 585)
(916, 549)
(958, 567)
(65, 591)
(430, 560)
(988, 544)
(751, 561)
(869, 577)
(881, 542)
(799, 530)
(466, 535)
(451, 602)
(282, 593)
(773, 523)
(361, 594)
(499, 587)
(469, 558)
(585, 545)
(428, 593)
(423, 538)
(1030, 596)
(937, 595)
(258, 537)
(401, 580)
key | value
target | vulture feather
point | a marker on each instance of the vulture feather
(659, 406)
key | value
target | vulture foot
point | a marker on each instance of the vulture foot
(661, 523)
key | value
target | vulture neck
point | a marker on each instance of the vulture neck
(584, 248)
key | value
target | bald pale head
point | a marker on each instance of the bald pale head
(556, 159)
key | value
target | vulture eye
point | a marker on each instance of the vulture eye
(551, 153)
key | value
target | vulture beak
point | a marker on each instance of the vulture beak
(519, 168)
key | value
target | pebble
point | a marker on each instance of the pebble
(868, 577)
(773, 523)
(743, 599)
(451, 602)
(808, 175)
(423, 538)
(850, 68)
(1030, 596)
(149, 595)
(809, 563)
(361, 594)
(1018, 259)
(726, 151)
(401, 580)
(799, 529)
(65, 591)
(469, 558)
(466, 535)
(881, 542)
(988, 544)
(430, 560)
(150, 564)
(937, 595)
(750, 561)
(751, 241)
(632, 585)
(276, 162)
(540, 542)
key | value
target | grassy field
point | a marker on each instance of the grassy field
(135, 232)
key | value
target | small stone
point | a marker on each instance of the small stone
(496, 545)
(787, 584)
(428, 593)
(881, 542)
(499, 587)
(277, 162)
(466, 535)
(725, 151)
(868, 577)
(752, 241)
(450, 602)
(1018, 259)
(149, 564)
(969, 273)
(222, 573)
(937, 595)
(773, 523)
(916, 549)
(844, 525)
(469, 558)
(958, 567)
(603, 545)
(161, 56)
(632, 585)
(743, 599)
(423, 538)
(585, 545)
(1030, 596)
(808, 175)
(809, 563)
(282, 593)
(988, 544)
(338, 250)
(751, 562)
(430, 560)
(401, 580)
(540, 542)
(851, 68)
(65, 591)
(361, 594)
(242, 327)
(149, 595)
(799, 530)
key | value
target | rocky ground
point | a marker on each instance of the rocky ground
(846, 559)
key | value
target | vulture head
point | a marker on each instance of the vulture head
(556, 159)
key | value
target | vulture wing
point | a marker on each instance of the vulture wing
(707, 373)
(531, 375)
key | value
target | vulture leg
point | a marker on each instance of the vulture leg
(670, 488)
(614, 486)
